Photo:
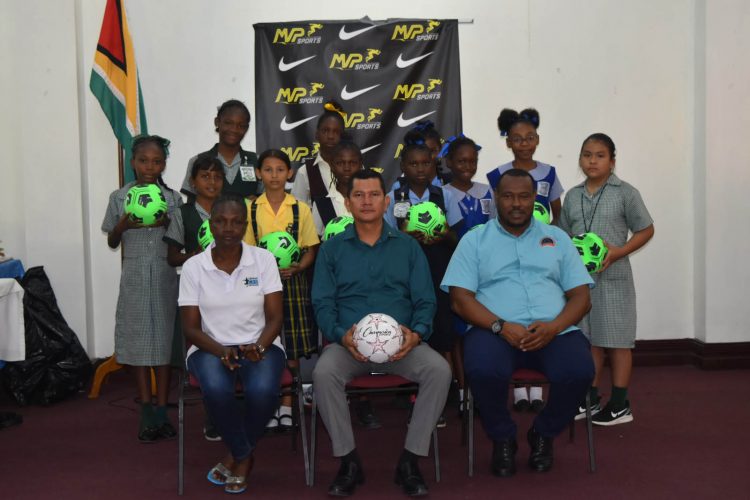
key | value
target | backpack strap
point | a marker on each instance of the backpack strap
(319, 193)
(295, 221)
(254, 220)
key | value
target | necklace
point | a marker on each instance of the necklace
(587, 224)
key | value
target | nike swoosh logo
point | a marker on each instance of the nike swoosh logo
(616, 414)
(287, 66)
(286, 126)
(370, 148)
(348, 35)
(405, 63)
(404, 122)
(347, 96)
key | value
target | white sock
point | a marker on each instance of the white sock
(519, 393)
(460, 394)
(535, 393)
(284, 410)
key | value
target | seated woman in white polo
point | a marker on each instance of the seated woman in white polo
(231, 310)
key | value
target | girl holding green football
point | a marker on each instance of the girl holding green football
(146, 306)
(614, 210)
(276, 210)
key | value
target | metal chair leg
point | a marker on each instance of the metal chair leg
(303, 431)
(469, 407)
(313, 432)
(181, 439)
(590, 433)
(435, 450)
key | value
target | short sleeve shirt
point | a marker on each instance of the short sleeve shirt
(301, 186)
(482, 195)
(552, 191)
(269, 222)
(339, 207)
(176, 230)
(231, 306)
(521, 279)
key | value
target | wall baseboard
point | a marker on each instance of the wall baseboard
(708, 356)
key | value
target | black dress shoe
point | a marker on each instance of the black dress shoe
(504, 457)
(366, 415)
(167, 431)
(410, 479)
(349, 476)
(148, 434)
(540, 458)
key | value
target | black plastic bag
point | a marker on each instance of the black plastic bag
(56, 364)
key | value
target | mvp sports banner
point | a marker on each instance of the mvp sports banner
(387, 76)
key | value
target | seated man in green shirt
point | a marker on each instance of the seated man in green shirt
(374, 268)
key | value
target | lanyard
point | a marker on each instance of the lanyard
(587, 225)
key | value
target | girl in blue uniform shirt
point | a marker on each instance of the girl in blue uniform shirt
(467, 205)
(521, 136)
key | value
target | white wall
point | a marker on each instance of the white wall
(631, 69)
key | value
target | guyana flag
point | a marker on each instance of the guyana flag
(115, 83)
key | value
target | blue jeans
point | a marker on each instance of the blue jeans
(489, 362)
(240, 423)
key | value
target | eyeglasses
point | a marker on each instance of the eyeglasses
(520, 140)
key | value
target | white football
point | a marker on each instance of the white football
(378, 337)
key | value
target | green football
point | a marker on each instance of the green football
(145, 204)
(541, 213)
(205, 237)
(427, 218)
(591, 249)
(336, 226)
(283, 247)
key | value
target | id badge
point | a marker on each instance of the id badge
(401, 209)
(247, 173)
(486, 204)
(542, 188)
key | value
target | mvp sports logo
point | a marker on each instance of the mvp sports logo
(364, 121)
(299, 153)
(416, 32)
(298, 35)
(358, 61)
(428, 91)
(300, 95)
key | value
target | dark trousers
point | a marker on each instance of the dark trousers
(240, 423)
(489, 362)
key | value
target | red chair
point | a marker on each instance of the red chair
(373, 384)
(523, 376)
(291, 385)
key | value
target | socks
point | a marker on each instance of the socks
(594, 395)
(148, 417)
(160, 415)
(519, 393)
(407, 457)
(618, 397)
(352, 456)
(285, 410)
(535, 393)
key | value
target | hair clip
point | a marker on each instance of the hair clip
(534, 120)
(329, 106)
(423, 126)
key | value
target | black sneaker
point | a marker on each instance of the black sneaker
(613, 416)
(595, 408)
(210, 432)
(536, 406)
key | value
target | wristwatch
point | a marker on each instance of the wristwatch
(497, 326)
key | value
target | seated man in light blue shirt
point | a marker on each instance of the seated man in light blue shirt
(523, 287)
